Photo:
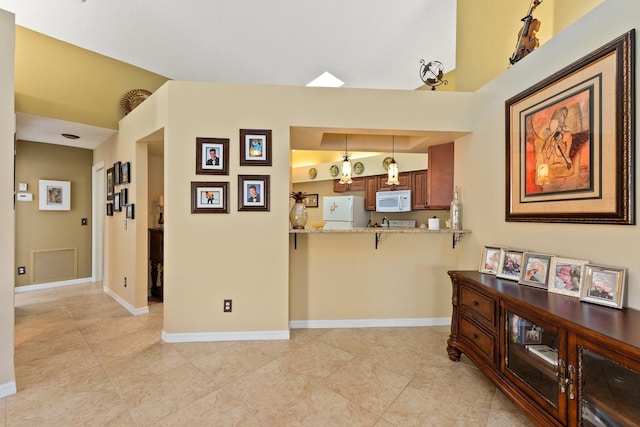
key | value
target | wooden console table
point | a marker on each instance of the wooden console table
(561, 361)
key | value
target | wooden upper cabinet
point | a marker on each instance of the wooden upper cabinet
(440, 176)
(419, 190)
(370, 188)
(404, 178)
(356, 185)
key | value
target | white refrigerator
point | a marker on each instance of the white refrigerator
(344, 212)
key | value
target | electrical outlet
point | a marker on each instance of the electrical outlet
(125, 282)
(22, 270)
(227, 306)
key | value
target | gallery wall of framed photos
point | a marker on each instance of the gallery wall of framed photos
(118, 176)
(212, 158)
(577, 278)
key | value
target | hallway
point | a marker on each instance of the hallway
(82, 359)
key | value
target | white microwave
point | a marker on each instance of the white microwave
(393, 201)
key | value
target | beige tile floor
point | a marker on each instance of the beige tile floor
(82, 360)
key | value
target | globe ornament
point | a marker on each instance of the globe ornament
(432, 73)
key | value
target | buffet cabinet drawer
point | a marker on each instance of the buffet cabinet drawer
(483, 343)
(482, 307)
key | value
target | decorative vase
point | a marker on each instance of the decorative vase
(298, 215)
(455, 212)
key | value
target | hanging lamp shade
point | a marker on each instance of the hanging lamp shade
(392, 171)
(345, 178)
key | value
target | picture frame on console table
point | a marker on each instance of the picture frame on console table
(569, 142)
(604, 285)
(490, 260)
(535, 270)
(566, 276)
(510, 264)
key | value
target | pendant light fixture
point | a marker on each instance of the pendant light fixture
(345, 178)
(392, 170)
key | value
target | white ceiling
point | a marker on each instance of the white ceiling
(364, 43)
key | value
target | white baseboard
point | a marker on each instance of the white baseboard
(8, 389)
(225, 336)
(40, 286)
(131, 309)
(369, 323)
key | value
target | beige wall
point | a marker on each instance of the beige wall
(241, 255)
(7, 225)
(482, 183)
(43, 230)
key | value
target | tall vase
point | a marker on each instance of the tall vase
(298, 215)
(455, 212)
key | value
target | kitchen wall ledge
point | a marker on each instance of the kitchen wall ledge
(457, 235)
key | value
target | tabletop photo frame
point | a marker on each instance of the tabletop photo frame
(535, 270)
(604, 285)
(490, 259)
(566, 276)
(510, 264)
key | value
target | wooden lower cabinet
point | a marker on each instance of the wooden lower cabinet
(561, 361)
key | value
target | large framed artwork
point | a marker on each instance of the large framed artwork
(570, 142)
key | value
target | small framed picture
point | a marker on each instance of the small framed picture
(125, 173)
(209, 197)
(535, 271)
(604, 285)
(490, 260)
(311, 201)
(109, 209)
(255, 147)
(110, 183)
(117, 206)
(54, 195)
(253, 192)
(566, 276)
(510, 264)
(124, 196)
(117, 173)
(130, 211)
(212, 156)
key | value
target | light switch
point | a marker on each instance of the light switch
(22, 186)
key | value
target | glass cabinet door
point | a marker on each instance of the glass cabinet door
(610, 392)
(531, 360)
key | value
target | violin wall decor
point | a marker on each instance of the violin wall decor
(527, 40)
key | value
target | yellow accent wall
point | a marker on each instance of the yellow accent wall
(62, 81)
(45, 230)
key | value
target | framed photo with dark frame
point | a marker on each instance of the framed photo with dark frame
(490, 260)
(569, 138)
(311, 201)
(117, 206)
(130, 211)
(604, 285)
(125, 173)
(566, 276)
(124, 196)
(110, 183)
(117, 173)
(510, 264)
(253, 192)
(212, 156)
(535, 270)
(209, 197)
(255, 147)
(109, 209)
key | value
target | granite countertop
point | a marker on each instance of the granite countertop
(379, 230)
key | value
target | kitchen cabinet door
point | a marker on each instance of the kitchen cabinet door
(440, 176)
(370, 189)
(419, 190)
